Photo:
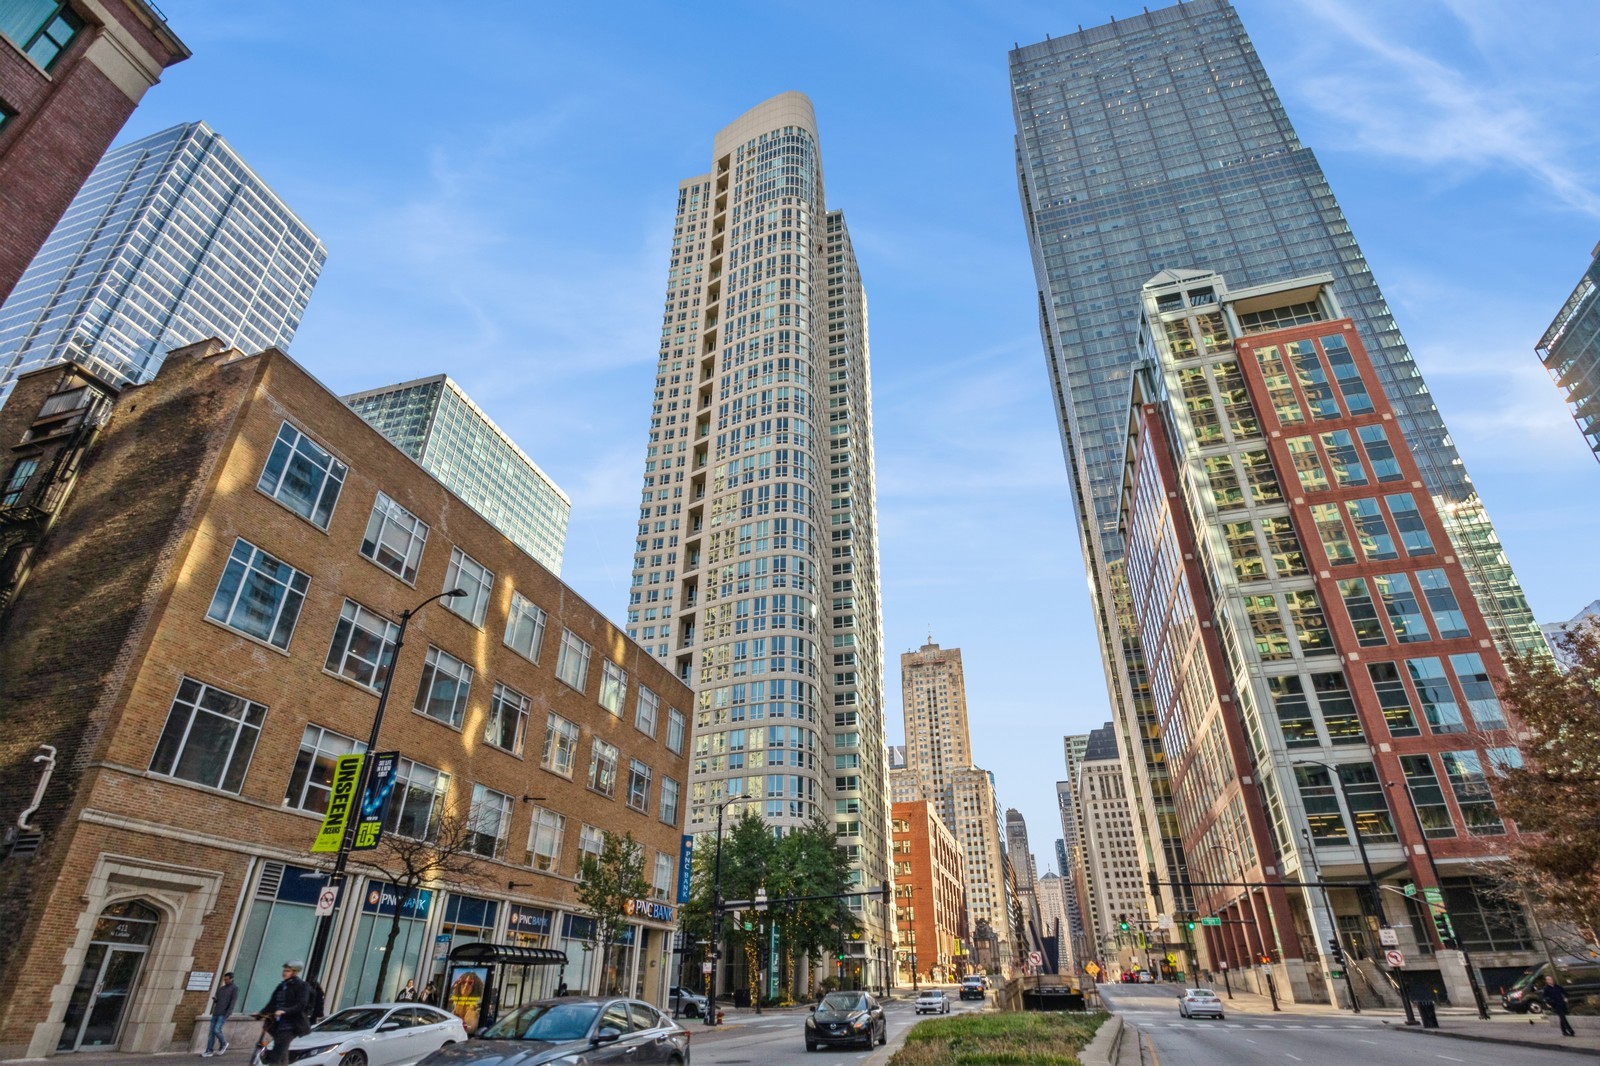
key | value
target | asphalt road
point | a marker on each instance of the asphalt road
(779, 1039)
(1290, 1039)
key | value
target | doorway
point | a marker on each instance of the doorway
(110, 976)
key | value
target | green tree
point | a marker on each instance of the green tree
(1555, 794)
(609, 881)
(810, 862)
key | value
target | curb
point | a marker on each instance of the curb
(1480, 1039)
(1106, 1045)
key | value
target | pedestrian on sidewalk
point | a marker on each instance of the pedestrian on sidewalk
(288, 1012)
(408, 994)
(222, 1003)
(1555, 997)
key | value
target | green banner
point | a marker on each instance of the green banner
(341, 800)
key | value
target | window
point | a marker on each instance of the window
(259, 595)
(560, 744)
(1369, 808)
(669, 801)
(603, 768)
(209, 737)
(1408, 522)
(394, 539)
(311, 780)
(1428, 796)
(1308, 464)
(591, 843)
(1343, 459)
(524, 627)
(1400, 602)
(302, 477)
(1479, 690)
(1371, 530)
(1338, 708)
(1380, 454)
(1309, 622)
(1287, 558)
(1248, 564)
(661, 883)
(1259, 475)
(41, 28)
(1439, 705)
(1363, 612)
(1313, 380)
(1471, 786)
(572, 665)
(363, 646)
(1394, 699)
(442, 693)
(646, 710)
(1321, 805)
(1447, 616)
(22, 470)
(473, 578)
(417, 801)
(1272, 641)
(1345, 373)
(488, 822)
(1331, 529)
(677, 726)
(638, 785)
(508, 719)
(613, 687)
(544, 840)
(1224, 482)
(1294, 712)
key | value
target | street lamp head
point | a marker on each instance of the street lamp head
(453, 593)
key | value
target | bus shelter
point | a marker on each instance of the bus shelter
(486, 980)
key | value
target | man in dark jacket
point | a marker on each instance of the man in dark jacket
(1555, 997)
(223, 1001)
(288, 1011)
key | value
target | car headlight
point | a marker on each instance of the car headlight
(861, 1022)
(320, 1049)
(811, 1023)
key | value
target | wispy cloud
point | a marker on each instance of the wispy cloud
(1401, 93)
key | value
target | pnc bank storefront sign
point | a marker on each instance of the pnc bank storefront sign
(648, 909)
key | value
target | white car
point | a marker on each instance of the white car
(1200, 1001)
(378, 1034)
(933, 1001)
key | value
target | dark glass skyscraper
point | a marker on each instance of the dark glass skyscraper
(1158, 142)
(1570, 350)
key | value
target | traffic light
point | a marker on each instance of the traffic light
(1122, 922)
(1441, 923)
(1265, 959)
(1189, 926)
(1335, 952)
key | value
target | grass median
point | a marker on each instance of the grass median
(1030, 1038)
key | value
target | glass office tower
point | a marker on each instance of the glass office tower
(439, 426)
(1570, 351)
(172, 239)
(1158, 142)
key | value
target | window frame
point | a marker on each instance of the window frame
(431, 670)
(384, 507)
(246, 566)
(639, 771)
(349, 622)
(597, 748)
(613, 694)
(577, 647)
(504, 696)
(484, 797)
(677, 722)
(230, 777)
(541, 829)
(521, 607)
(334, 471)
(479, 587)
(551, 732)
(316, 753)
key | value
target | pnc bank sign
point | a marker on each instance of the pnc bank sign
(649, 909)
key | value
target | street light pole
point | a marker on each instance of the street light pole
(1250, 909)
(1433, 865)
(1327, 901)
(319, 943)
(716, 921)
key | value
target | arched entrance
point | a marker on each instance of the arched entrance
(99, 1003)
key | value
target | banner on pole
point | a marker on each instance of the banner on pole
(685, 867)
(341, 799)
(375, 800)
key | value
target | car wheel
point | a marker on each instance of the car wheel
(883, 1034)
(811, 1045)
(354, 1058)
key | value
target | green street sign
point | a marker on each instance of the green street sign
(1433, 895)
(1411, 888)
(1210, 921)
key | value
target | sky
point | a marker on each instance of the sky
(495, 183)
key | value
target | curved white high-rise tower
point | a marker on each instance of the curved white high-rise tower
(755, 573)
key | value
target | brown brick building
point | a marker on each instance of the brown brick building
(198, 625)
(930, 907)
(70, 75)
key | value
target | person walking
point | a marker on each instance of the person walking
(288, 1012)
(222, 1004)
(408, 994)
(1555, 997)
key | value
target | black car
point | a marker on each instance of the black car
(846, 1018)
(591, 1030)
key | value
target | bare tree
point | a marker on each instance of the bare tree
(609, 883)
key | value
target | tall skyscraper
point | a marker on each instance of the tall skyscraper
(77, 71)
(1117, 890)
(172, 240)
(755, 573)
(437, 424)
(939, 762)
(1158, 141)
(1570, 351)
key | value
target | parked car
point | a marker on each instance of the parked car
(689, 1004)
(378, 1034)
(1580, 979)
(1200, 1002)
(972, 988)
(593, 1030)
(933, 1001)
(1146, 977)
(846, 1018)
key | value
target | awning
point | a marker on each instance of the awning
(508, 955)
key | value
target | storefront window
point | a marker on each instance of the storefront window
(372, 944)
(280, 924)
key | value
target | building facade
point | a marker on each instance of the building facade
(1159, 141)
(70, 75)
(244, 544)
(1113, 867)
(930, 916)
(1570, 351)
(437, 424)
(1053, 918)
(755, 574)
(173, 239)
(1320, 672)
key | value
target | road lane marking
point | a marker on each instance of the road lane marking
(1452, 1058)
(1296, 1058)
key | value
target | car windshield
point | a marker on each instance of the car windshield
(351, 1021)
(545, 1021)
(844, 1001)
(1202, 993)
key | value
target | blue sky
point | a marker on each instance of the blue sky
(495, 183)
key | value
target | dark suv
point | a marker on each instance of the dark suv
(1580, 979)
(972, 988)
